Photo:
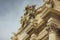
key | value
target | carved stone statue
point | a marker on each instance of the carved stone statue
(30, 10)
(50, 2)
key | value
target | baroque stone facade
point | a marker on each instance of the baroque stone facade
(42, 23)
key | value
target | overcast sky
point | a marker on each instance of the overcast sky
(10, 13)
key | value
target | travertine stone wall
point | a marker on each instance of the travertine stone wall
(40, 24)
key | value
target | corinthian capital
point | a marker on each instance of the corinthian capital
(52, 25)
(51, 28)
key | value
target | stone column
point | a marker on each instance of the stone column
(52, 32)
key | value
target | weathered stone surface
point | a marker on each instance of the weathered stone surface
(42, 23)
